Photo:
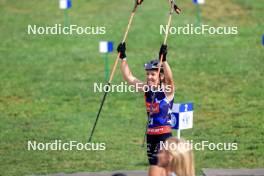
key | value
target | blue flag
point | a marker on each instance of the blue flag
(182, 116)
(106, 47)
(198, 1)
(65, 4)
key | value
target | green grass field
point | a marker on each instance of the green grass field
(46, 88)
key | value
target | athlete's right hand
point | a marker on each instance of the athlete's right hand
(122, 50)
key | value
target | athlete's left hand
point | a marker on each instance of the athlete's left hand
(163, 52)
(139, 2)
(122, 50)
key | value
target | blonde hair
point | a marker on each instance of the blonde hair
(182, 159)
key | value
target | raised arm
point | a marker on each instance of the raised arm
(167, 73)
(127, 74)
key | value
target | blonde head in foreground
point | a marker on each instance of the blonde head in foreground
(176, 156)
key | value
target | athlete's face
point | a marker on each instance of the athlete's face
(163, 158)
(152, 78)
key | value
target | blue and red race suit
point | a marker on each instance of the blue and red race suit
(158, 109)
